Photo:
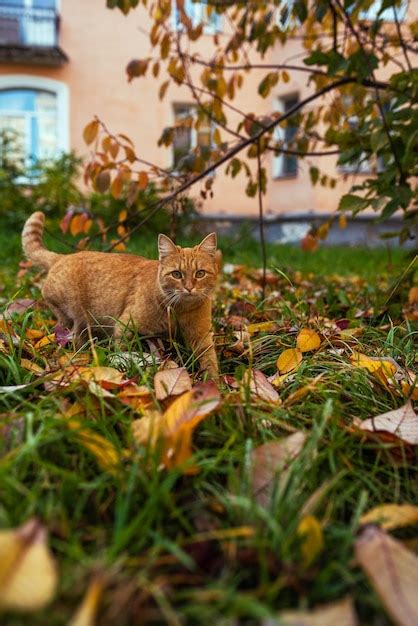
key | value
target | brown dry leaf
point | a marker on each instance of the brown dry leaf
(393, 572)
(289, 360)
(389, 516)
(87, 611)
(308, 340)
(271, 458)
(175, 427)
(402, 422)
(28, 572)
(171, 382)
(260, 386)
(339, 613)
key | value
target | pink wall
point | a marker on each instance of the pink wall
(100, 42)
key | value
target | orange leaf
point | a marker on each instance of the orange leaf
(90, 132)
(289, 360)
(142, 180)
(308, 340)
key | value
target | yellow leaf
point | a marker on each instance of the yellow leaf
(373, 364)
(31, 366)
(45, 341)
(285, 76)
(261, 327)
(310, 531)
(393, 572)
(28, 573)
(308, 340)
(175, 427)
(86, 612)
(102, 449)
(90, 132)
(390, 516)
(289, 360)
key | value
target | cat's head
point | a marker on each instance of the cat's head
(187, 275)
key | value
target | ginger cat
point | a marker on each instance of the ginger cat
(92, 290)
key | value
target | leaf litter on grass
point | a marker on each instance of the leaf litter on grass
(303, 373)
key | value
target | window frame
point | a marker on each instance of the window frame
(61, 92)
(279, 134)
(194, 133)
(196, 18)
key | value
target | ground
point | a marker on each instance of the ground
(234, 532)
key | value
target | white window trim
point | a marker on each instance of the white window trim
(26, 81)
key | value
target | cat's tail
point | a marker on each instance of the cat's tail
(32, 242)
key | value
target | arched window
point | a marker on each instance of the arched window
(35, 110)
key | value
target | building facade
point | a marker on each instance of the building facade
(63, 61)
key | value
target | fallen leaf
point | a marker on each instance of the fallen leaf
(19, 306)
(139, 398)
(262, 327)
(383, 368)
(389, 516)
(28, 572)
(308, 340)
(175, 426)
(105, 453)
(31, 367)
(45, 341)
(261, 387)
(87, 611)
(339, 613)
(402, 422)
(63, 336)
(271, 458)
(289, 360)
(393, 572)
(310, 531)
(171, 382)
(33, 333)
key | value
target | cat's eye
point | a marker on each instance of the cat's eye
(176, 274)
(200, 273)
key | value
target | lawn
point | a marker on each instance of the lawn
(238, 532)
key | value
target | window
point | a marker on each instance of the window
(285, 165)
(198, 12)
(372, 13)
(35, 110)
(187, 137)
(363, 164)
(28, 22)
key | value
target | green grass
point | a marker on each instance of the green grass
(157, 534)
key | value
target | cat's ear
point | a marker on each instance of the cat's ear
(208, 245)
(166, 246)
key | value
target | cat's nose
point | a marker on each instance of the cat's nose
(188, 287)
